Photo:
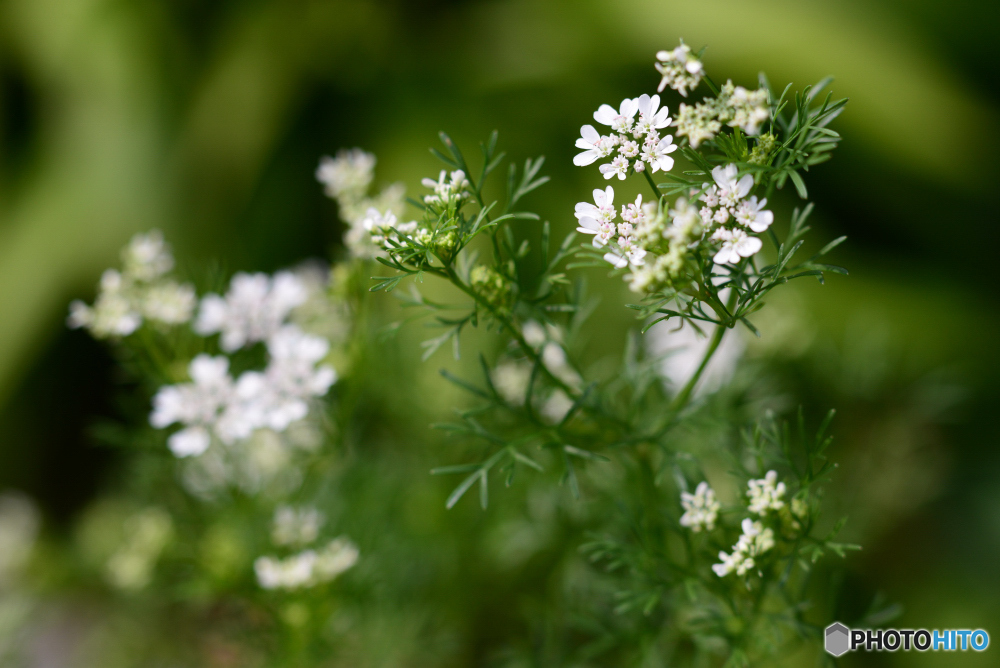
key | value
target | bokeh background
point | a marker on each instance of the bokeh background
(207, 120)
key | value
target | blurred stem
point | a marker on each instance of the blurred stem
(684, 396)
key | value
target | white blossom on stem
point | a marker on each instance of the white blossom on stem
(701, 509)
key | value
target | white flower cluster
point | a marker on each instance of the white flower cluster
(307, 568)
(701, 509)
(139, 291)
(296, 526)
(755, 540)
(726, 203)
(347, 178)
(766, 494)
(254, 308)
(735, 106)
(383, 227)
(635, 136)
(448, 189)
(681, 69)
(214, 403)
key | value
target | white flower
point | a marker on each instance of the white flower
(731, 190)
(448, 187)
(754, 541)
(680, 69)
(699, 123)
(296, 526)
(736, 244)
(555, 407)
(630, 254)
(307, 568)
(701, 509)
(618, 167)
(682, 349)
(254, 308)
(146, 257)
(594, 146)
(348, 175)
(169, 302)
(196, 405)
(511, 381)
(602, 210)
(655, 155)
(651, 117)
(751, 213)
(766, 494)
(621, 120)
(749, 108)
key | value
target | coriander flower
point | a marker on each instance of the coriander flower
(348, 175)
(751, 213)
(196, 405)
(594, 146)
(655, 154)
(254, 308)
(448, 187)
(169, 302)
(699, 123)
(146, 257)
(651, 116)
(618, 167)
(766, 494)
(511, 380)
(621, 120)
(308, 568)
(736, 244)
(296, 526)
(385, 226)
(680, 70)
(701, 509)
(755, 541)
(113, 313)
(731, 190)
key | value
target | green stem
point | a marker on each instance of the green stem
(684, 396)
(652, 184)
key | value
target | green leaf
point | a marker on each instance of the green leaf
(800, 185)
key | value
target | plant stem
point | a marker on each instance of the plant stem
(652, 184)
(682, 398)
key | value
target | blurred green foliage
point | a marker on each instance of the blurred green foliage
(207, 120)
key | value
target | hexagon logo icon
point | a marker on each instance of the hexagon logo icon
(838, 639)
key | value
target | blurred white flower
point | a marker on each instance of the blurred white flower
(754, 541)
(680, 69)
(766, 494)
(196, 405)
(511, 381)
(138, 291)
(146, 257)
(348, 175)
(296, 526)
(308, 568)
(701, 509)
(682, 350)
(169, 302)
(254, 308)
